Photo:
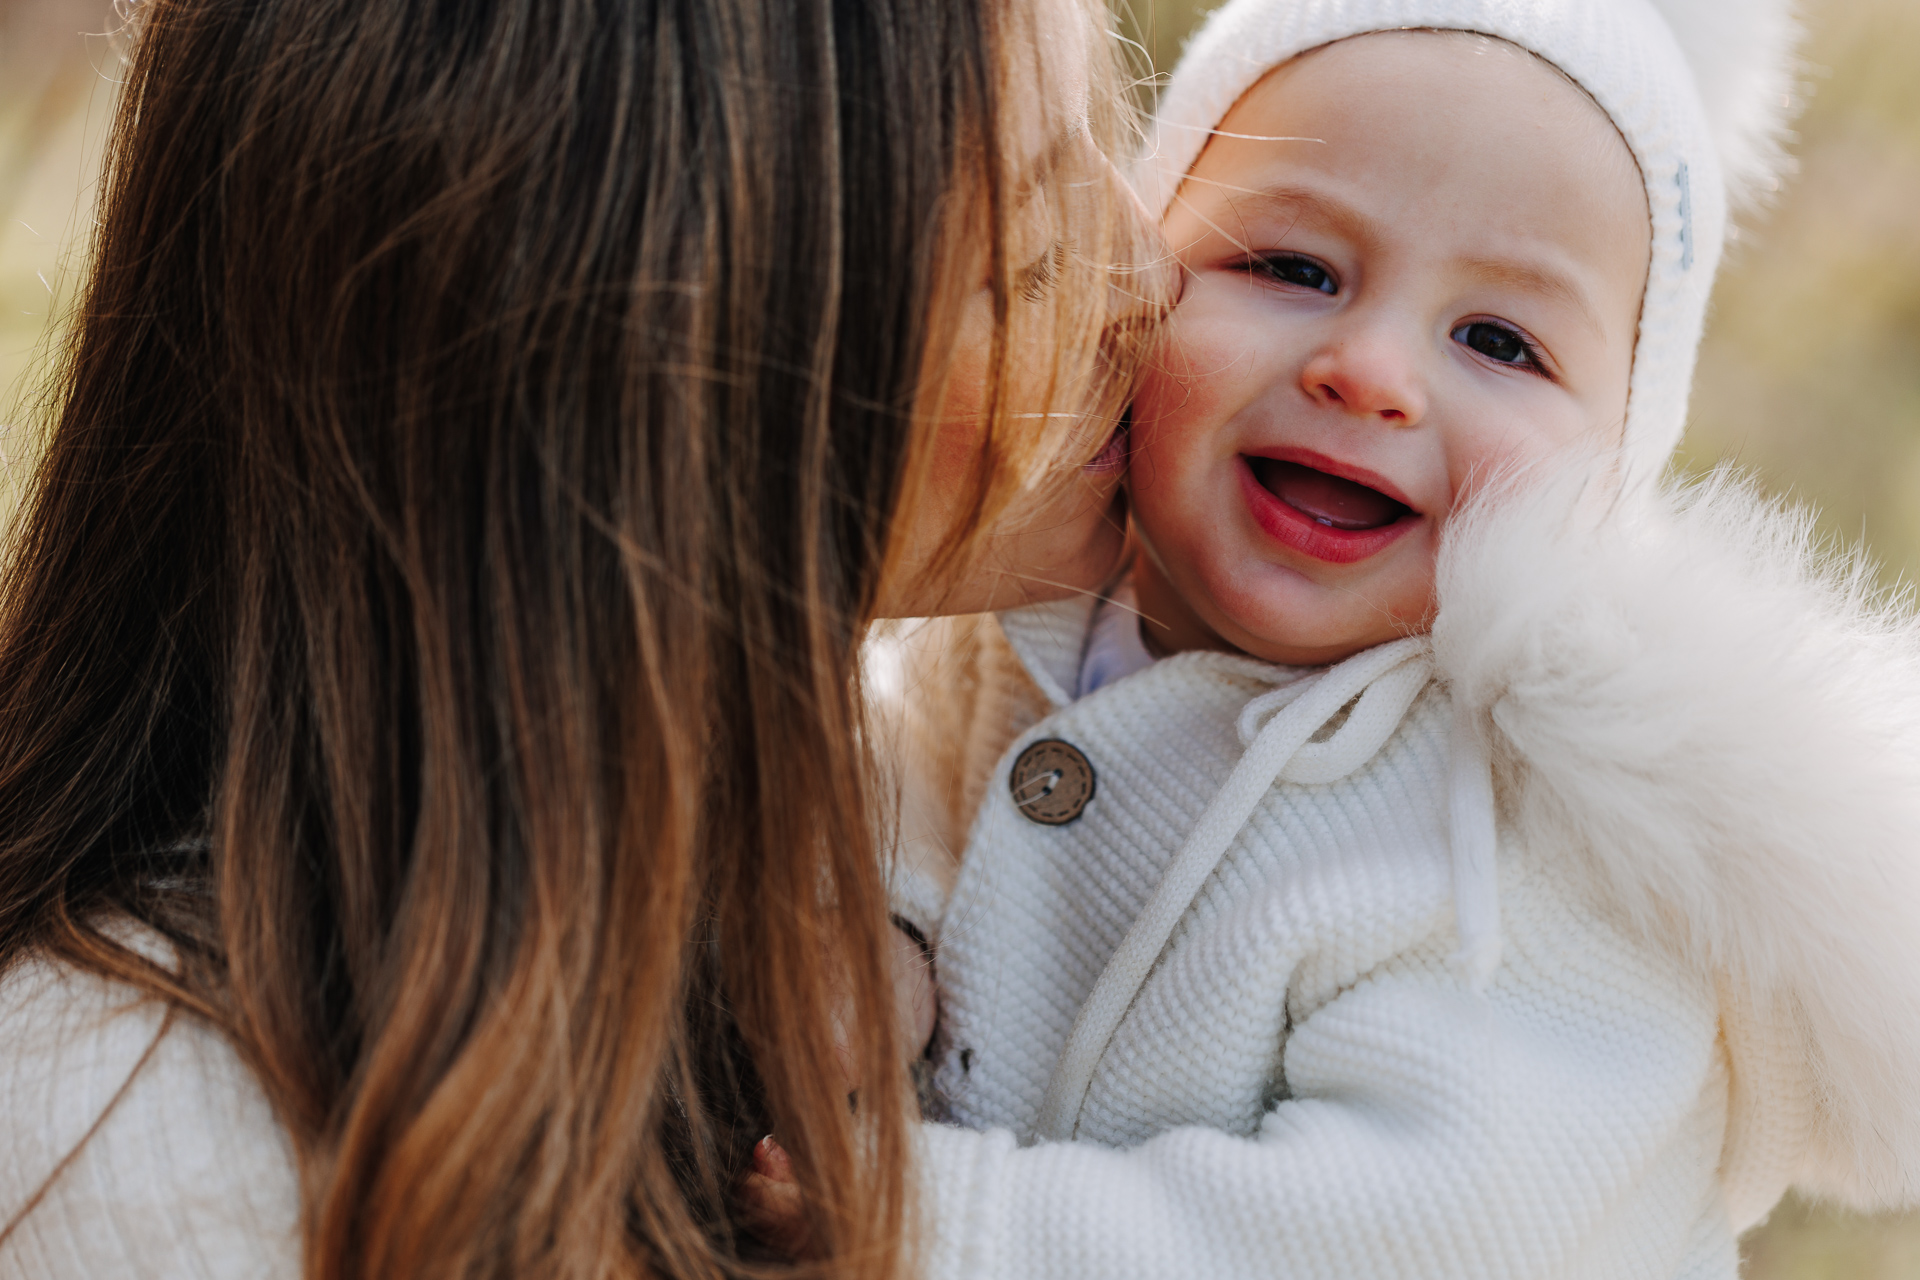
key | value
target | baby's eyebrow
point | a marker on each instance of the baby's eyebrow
(1537, 279)
(1306, 202)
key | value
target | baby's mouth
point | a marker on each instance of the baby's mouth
(1325, 499)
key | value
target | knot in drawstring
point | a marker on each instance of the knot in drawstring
(1286, 735)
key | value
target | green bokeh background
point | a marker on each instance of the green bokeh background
(1810, 375)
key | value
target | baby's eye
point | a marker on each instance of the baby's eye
(1499, 343)
(1291, 268)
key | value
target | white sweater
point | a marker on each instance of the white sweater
(1690, 977)
(187, 1177)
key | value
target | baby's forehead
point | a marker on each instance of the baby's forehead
(1460, 55)
(1477, 151)
(1449, 66)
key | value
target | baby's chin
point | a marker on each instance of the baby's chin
(1321, 649)
(1308, 624)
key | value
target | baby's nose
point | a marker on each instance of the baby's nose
(1370, 373)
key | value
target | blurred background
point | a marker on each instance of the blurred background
(57, 74)
(1810, 376)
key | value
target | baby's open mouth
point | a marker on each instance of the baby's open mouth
(1325, 499)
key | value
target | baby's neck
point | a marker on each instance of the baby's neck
(1168, 624)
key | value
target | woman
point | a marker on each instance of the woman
(433, 830)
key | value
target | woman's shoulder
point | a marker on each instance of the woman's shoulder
(138, 1140)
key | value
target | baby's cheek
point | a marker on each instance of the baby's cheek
(1498, 446)
(1201, 376)
(1409, 596)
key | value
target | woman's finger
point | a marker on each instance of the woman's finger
(772, 1209)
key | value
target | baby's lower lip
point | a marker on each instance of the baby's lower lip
(1301, 532)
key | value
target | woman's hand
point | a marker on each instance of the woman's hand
(771, 1206)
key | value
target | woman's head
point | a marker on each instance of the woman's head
(438, 605)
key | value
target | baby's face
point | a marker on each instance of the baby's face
(1448, 280)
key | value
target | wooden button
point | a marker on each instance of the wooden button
(1052, 782)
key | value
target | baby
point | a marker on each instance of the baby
(1423, 872)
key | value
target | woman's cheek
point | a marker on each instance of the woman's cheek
(965, 393)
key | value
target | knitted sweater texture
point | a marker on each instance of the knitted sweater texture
(1704, 742)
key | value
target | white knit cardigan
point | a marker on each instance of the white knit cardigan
(1706, 989)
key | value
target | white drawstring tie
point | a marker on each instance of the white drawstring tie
(1473, 833)
(1278, 729)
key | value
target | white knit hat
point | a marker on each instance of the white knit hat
(1700, 90)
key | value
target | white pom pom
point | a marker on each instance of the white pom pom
(1742, 55)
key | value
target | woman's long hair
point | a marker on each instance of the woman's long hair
(438, 606)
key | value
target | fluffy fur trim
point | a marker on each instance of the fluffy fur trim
(1718, 717)
(1742, 56)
